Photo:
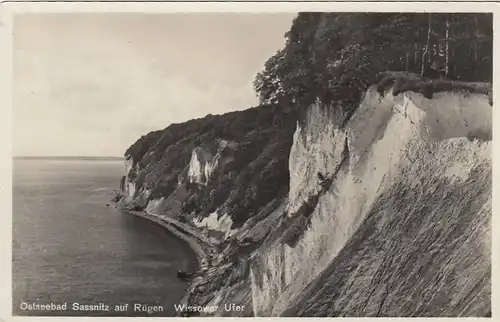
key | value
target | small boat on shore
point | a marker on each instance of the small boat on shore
(184, 275)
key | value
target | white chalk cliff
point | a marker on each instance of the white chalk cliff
(424, 149)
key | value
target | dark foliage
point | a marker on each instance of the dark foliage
(165, 187)
(334, 57)
(141, 146)
(256, 174)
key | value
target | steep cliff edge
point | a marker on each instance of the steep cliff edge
(403, 230)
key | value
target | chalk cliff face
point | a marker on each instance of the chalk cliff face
(404, 227)
(203, 164)
(387, 214)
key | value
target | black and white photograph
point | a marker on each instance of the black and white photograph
(252, 164)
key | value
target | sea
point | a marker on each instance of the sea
(75, 254)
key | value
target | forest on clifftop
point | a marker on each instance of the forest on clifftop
(333, 57)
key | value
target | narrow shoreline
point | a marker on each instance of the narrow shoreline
(203, 250)
(172, 227)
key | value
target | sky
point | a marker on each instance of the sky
(92, 84)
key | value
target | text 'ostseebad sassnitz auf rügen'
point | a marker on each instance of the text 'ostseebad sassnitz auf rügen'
(99, 307)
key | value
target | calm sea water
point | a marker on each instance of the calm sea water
(69, 247)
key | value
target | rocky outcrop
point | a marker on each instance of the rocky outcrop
(204, 164)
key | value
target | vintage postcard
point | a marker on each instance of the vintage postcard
(248, 160)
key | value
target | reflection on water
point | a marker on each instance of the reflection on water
(69, 247)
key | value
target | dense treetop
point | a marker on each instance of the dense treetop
(334, 56)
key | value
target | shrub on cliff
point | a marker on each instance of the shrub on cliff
(166, 186)
(263, 179)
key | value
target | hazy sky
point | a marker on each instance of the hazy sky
(91, 84)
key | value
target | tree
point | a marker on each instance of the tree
(425, 55)
(447, 60)
(269, 83)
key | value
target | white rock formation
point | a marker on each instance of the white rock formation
(404, 139)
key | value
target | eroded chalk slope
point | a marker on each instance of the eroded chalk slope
(437, 152)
